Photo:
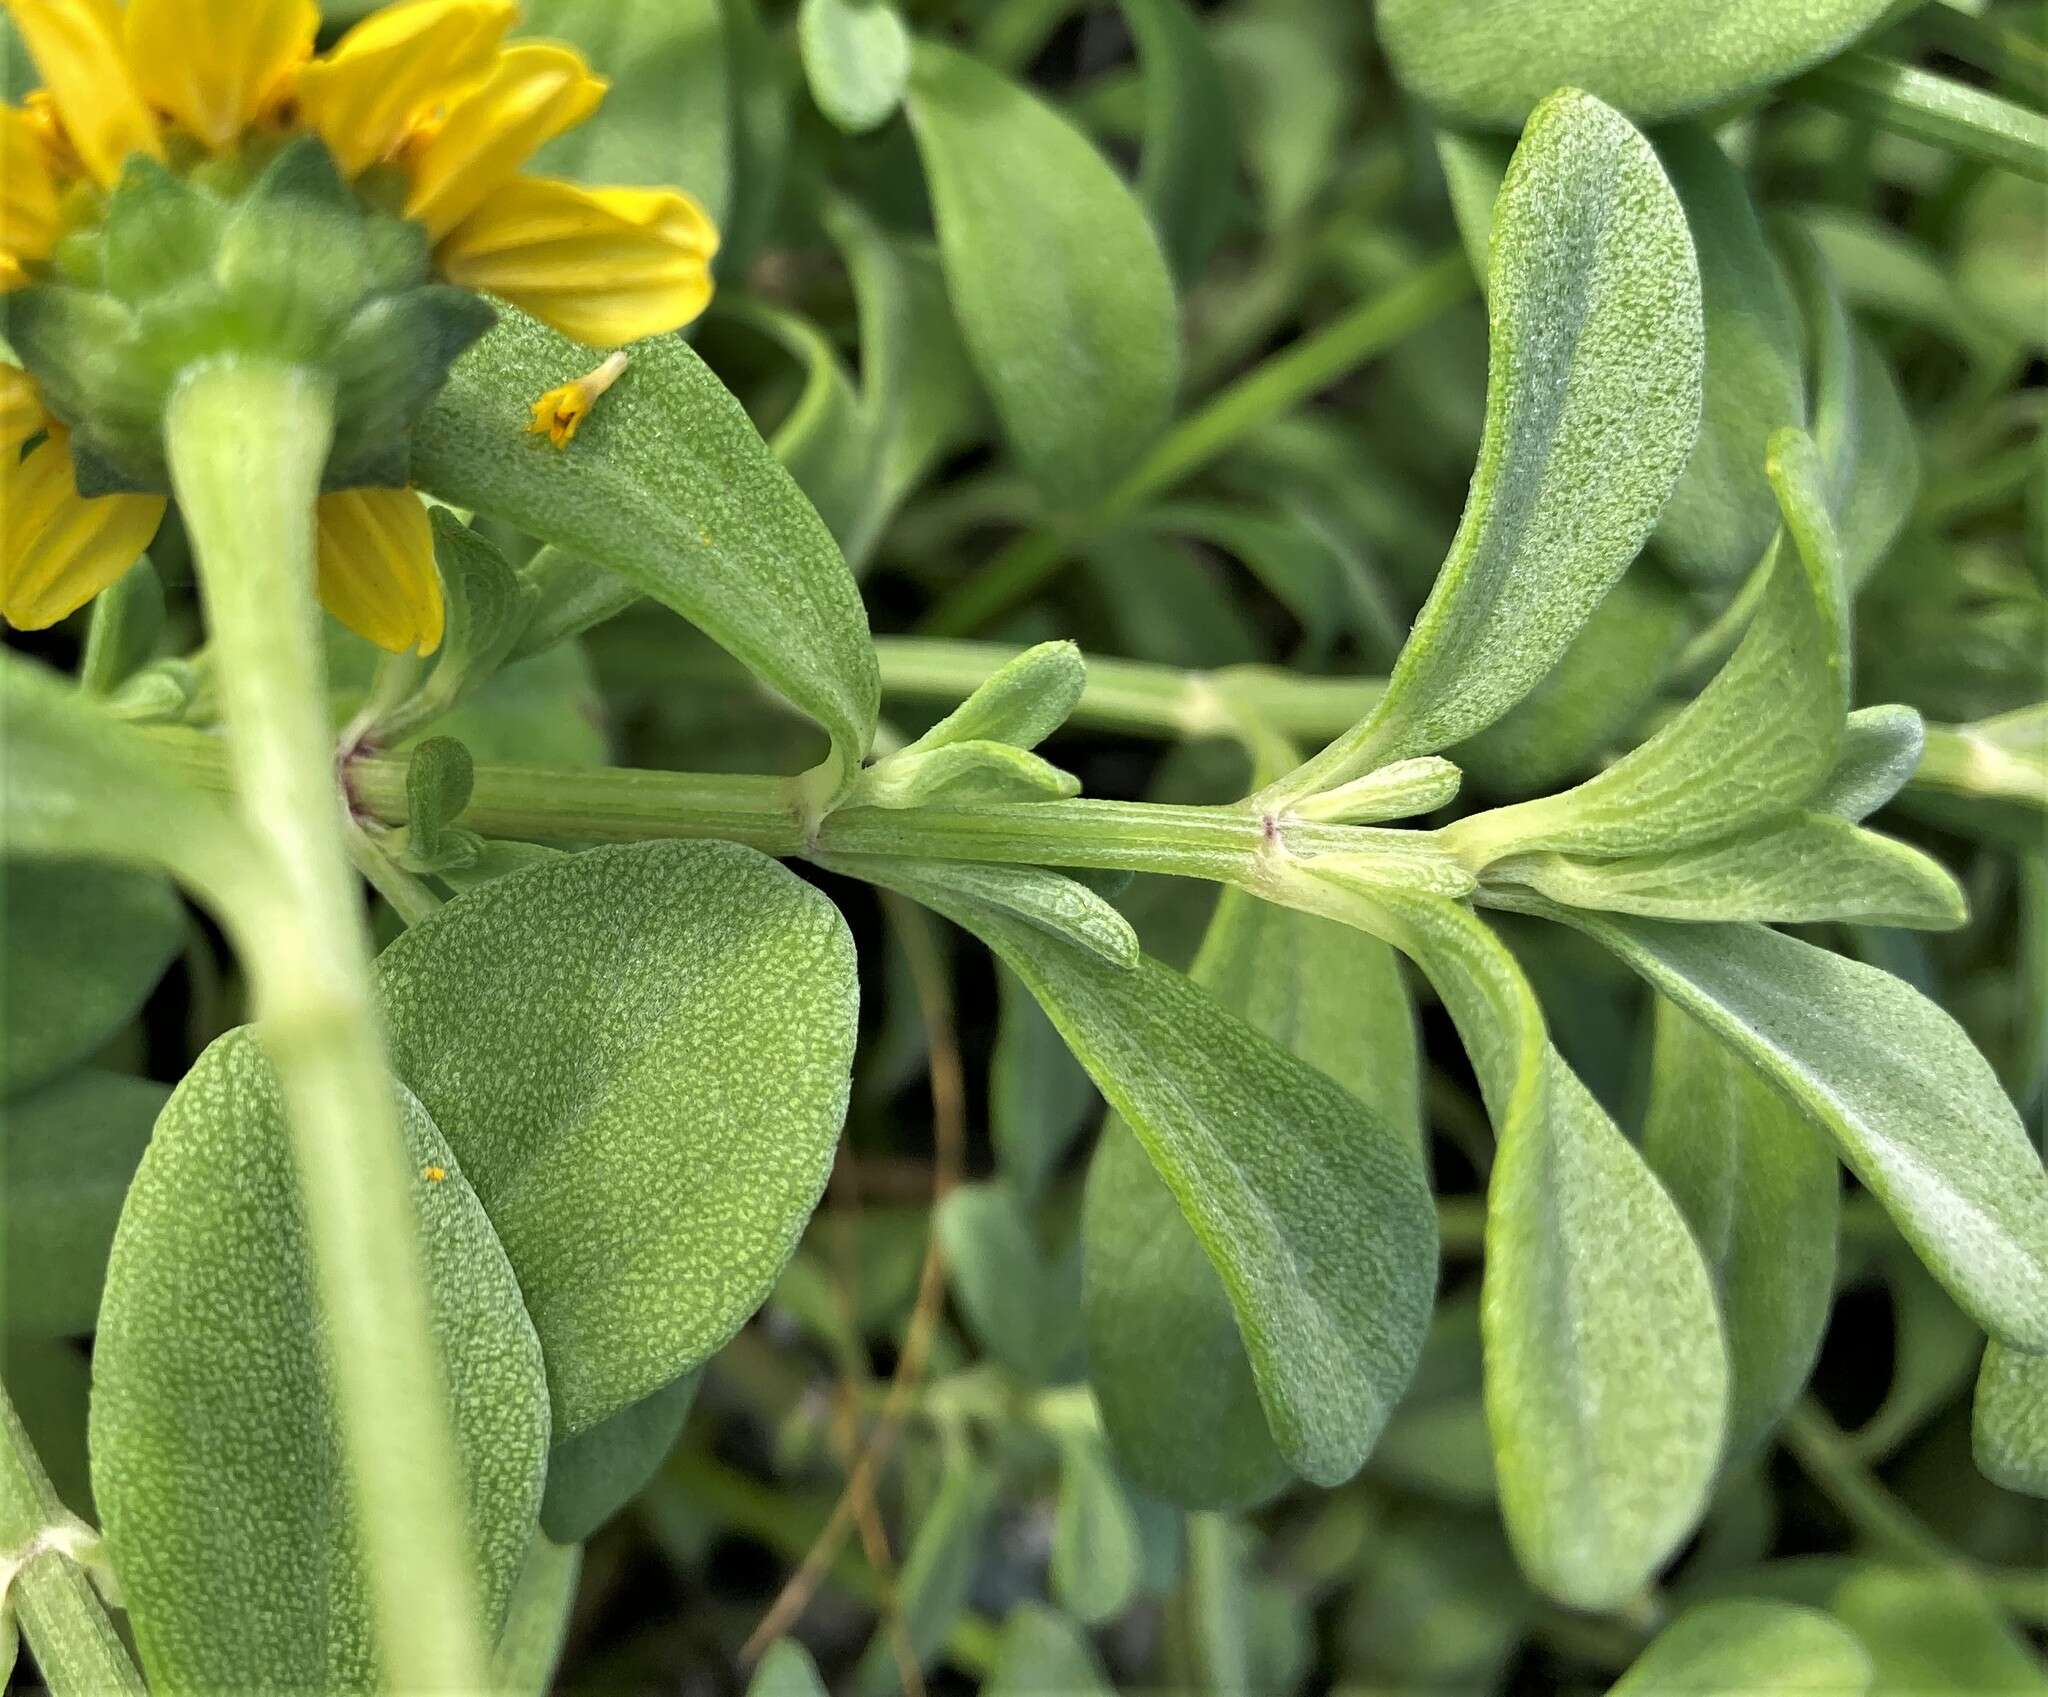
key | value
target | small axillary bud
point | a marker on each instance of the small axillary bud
(559, 413)
(1399, 791)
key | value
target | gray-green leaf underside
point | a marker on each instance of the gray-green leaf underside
(1593, 400)
(1313, 1209)
(1486, 63)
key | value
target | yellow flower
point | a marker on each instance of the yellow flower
(364, 98)
(77, 46)
(376, 567)
(597, 264)
(426, 88)
(28, 196)
(560, 412)
(252, 50)
(58, 548)
(426, 107)
(532, 94)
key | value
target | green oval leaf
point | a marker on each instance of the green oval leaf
(2009, 1420)
(68, 1152)
(1593, 400)
(1866, 441)
(648, 1193)
(1749, 1647)
(786, 1670)
(856, 57)
(1312, 1208)
(1021, 703)
(1058, 281)
(602, 1468)
(1041, 1652)
(669, 485)
(1188, 162)
(1802, 869)
(1721, 517)
(1763, 1195)
(1881, 750)
(1606, 1374)
(1488, 62)
(215, 1453)
(1157, 1313)
(1756, 742)
(1018, 1301)
(1097, 1555)
(1916, 1113)
(84, 945)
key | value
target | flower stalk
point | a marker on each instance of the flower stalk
(247, 440)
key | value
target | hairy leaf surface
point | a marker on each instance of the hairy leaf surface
(669, 485)
(1486, 63)
(1313, 1208)
(1917, 1114)
(216, 1457)
(1593, 401)
(1762, 1192)
(1058, 280)
(587, 1034)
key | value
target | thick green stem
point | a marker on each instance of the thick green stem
(620, 805)
(247, 442)
(1139, 697)
(1260, 396)
(75, 1644)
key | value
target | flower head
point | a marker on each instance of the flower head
(192, 178)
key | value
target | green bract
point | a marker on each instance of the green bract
(267, 255)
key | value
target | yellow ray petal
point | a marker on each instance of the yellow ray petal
(28, 191)
(394, 67)
(376, 563)
(213, 64)
(59, 549)
(76, 45)
(602, 265)
(21, 416)
(531, 94)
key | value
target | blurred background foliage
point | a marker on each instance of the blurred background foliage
(922, 1361)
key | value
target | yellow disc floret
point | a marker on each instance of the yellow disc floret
(559, 413)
